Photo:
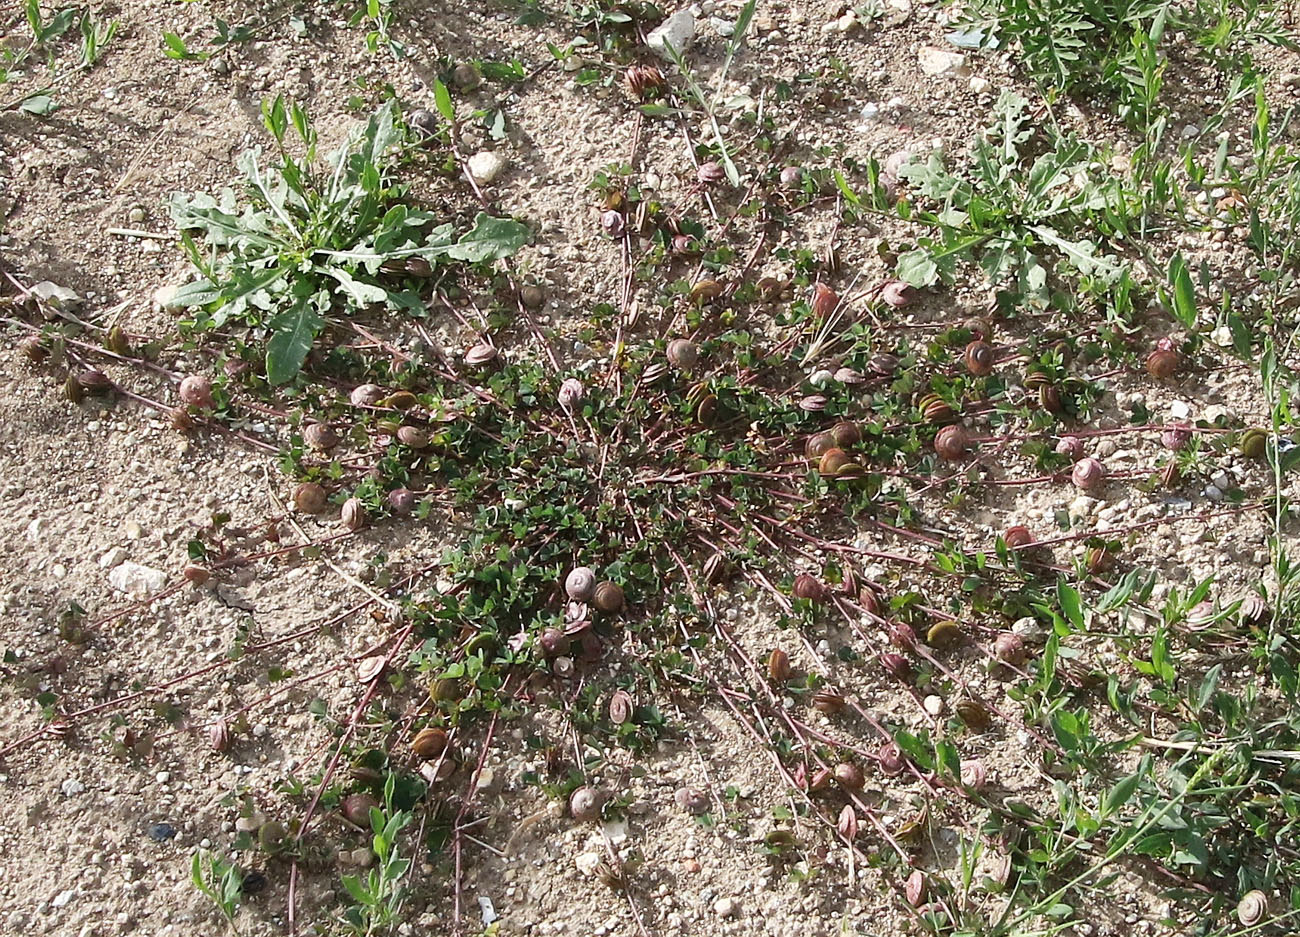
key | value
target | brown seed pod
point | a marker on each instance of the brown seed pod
(1009, 648)
(683, 353)
(477, 356)
(1035, 378)
(613, 223)
(979, 358)
(580, 584)
(72, 389)
(219, 736)
(897, 665)
(705, 291)
(824, 300)
(818, 444)
(791, 177)
(1176, 437)
(891, 760)
(847, 824)
(196, 391)
(356, 809)
(828, 702)
(849, 376)
(95, 382)
(974, 714)
(950, 442)
(620, 707)
(196, 575)
(870, 601)
(1088, 473)
(1254, 610)
(1162, 363)
(405, 400)
(366, 395)
(944, 634)
(413, 436)
(973, 774)
(981, 330)
(902, 636)
(532, 296)
(849, 776)
(353, 515)
(1071, 446)
(1253, 443)
(711, 173)
(446, 690)
(692, 800)
(1169, 475)
(1049, 398)
(846, 434)
(429, 743)
(553, 642)
(897, 294)
(813, 403)
(821, 779)
(608, 597)
(835, 462)
(883, 364)
(778, 666)
(715, 569)
(1252, 908)
(706, 411)
(310, 498)
(401, 501)
(914, 888)
(1098, 560)
(935, 409)
(320, 436)
(809, 587)
(34, 349)
(1018, 537)
(643, 80)
(585, 804)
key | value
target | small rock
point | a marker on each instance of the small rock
(1213, 492)
(113, 557)
(1179, 410)
(62, 898)
(587, 862)
(136, 580)
(980, 84)
(933, 705)
(160, 832)
(678, 31)
(134, 531)
(725, 907)
(486, 909)
(486, 166)
(941, 61)
(724, 28)
(136, 215)
(72, 787)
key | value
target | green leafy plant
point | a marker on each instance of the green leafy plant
(308, 243)
(220, 879)
(1008, 217)
(379, 897)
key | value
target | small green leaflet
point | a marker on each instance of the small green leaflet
(442, 101)
(1071, 605)
(1184, 292)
